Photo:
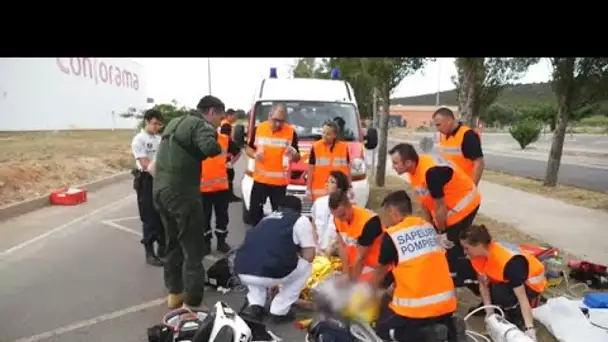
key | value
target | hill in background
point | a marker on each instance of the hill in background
(511, 95)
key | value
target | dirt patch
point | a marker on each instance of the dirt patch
(499, 230)
(577, 196)
(34, 163)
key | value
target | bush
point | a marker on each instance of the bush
(526, 132)
(593, 121)
(498, 115)
(541, 112)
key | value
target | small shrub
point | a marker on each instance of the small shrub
(525, 132)
(594, 121)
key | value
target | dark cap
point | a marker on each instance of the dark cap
(209, 102)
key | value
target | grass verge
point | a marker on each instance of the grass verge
(572, 195)
(34, 163)
(499, 230)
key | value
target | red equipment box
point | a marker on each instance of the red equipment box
(68, 196)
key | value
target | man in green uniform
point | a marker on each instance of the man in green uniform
(186, 142)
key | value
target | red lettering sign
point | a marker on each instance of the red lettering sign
(99, 71)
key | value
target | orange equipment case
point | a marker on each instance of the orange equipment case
(68, 196)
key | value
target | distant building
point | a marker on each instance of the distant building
(417, 116)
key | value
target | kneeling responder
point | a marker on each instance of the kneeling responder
(326, 155)
(226, 128)
(215, 193)
(278, 250)
(186, 142)
(273, 144)
(359, 236)
(508, 276)
(449, 198)
(424, 299)
(144, 147)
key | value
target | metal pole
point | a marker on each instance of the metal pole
(209, 74)
(375, 125)
(435, 135)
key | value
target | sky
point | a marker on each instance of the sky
(234, 80)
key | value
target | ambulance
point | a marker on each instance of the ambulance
(310, 102)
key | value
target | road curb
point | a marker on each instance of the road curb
(23, 207)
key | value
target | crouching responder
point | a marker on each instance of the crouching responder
(186, 142)
(231, 159)
(450, 200)
(215, 193)
(359, 236)
(144, 146)
(424, 299)
(508, 276)
(278, 250)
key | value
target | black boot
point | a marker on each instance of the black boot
(222, 246)
(151, 258)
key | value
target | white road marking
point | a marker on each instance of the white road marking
(120, 219)
(64, 226)
(90, 322)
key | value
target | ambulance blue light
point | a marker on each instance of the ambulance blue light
(273, 72)
(335, 73)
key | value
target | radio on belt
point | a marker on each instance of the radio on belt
(68, 196)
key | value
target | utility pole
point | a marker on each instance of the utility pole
(374, 125)
(435, 135)
(209, 74)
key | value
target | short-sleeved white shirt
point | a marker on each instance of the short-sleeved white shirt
(302, 233)
(144, 145)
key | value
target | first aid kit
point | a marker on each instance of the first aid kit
(68, 196)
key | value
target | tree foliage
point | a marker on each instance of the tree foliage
(480, 80)
(526, 131)
(169, 111)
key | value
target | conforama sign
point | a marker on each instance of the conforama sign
(99, 71)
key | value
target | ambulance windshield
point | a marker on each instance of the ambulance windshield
(308, 117)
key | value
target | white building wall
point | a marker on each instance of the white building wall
(69, 93)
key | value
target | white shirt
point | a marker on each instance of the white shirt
(302, 233)
(324, 220)
(144, 145)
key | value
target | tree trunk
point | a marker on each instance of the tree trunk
(563, 78)
(383, 147)
(470, 70)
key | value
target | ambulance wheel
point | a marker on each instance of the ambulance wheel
(246, 219)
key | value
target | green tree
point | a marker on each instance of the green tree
(310, 68)
(480, 80)
(355, 72)
(498, 115)
(576, 82)
(543, 112)
(526, 131)
(168, 110)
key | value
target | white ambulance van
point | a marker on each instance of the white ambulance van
(310, 102)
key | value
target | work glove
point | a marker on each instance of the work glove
(443, 241)
(531, 333)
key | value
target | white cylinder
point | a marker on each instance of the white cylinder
(501, 330)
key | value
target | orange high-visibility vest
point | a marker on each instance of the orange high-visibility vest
(499, 254)
(451, 149)
(327, 160)
(423, 284)
(219, 131)
(274, 144)
(350, 233)
(214, 176)
(461, 194)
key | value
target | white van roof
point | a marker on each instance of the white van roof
(305, 89)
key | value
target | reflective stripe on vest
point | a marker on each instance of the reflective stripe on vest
(350, 233)
(273, 145)
(424, 301)
(451, 148)
(327, 159)
(214, 176)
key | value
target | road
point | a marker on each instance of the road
(77, 273)
(580, 172)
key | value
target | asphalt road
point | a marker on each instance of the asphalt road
(77, 273)
(593, 177)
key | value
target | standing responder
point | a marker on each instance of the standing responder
(186, 142)
(273, 145)
(509, 277)
(326, 155)
(459, 144)
(215, 192)
(144, 146)
(450, 200)
(422, 305)
(359, 237)
(226, 128)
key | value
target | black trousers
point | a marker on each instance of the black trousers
(460, 265)
(259, 193)
(407, 329)
(230, 172)
(502, 295)
(152, 227)
(182, 215)
(216, 202)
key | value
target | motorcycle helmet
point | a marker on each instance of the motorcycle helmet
(222, 324)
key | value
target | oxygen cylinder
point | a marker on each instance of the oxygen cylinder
(501, 330)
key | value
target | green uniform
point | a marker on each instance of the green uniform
(186, 142)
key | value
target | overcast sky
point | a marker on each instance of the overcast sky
(233, 80)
